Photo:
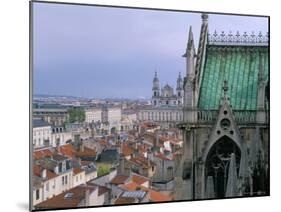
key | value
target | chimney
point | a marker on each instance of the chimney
(56, 170)
(135, 152)
(87, 197)
(157, 139)
(121, 165)
(43, 173)
(79, 161)
(150, 155)
(82, 147)
(148, 163)
(121, 147)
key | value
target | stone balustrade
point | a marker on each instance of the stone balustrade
(240, 116)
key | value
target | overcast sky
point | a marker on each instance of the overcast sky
(102, 52)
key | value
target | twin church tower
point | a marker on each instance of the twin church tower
(165, 96)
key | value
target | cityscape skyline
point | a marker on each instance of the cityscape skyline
(114, 123)
(145, 41)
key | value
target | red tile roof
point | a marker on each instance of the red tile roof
(126, 150)
(88, 152)
(38, 154)
(119, 179)
(60, 201)
(85, 163)
(103, 189)
(162, 156)
(77, 171)
(49, 174)
(139, 179)
(156, 196)
(67, 150)
(103, 142)
(125, 200)
(142, 161)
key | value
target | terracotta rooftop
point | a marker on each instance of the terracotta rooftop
(162, 156)
(119, 179)
(37, 172)
(171, 139)
(103, 142)
(156, 196)
(67, 150)
(142, 148)
(142, 161)
(125, 200)
(38, 154)
(103, 189)
(126, 150)
(132, 186)
(87, 152)
(149, 125)
(77, 171)
(68, 199)
(139, 179)
(58, 157)
(85, 163)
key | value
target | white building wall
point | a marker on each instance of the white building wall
(40, 199)
(50, 188)
(78, 179)
(114, 116)
(40, 134)
(103, 180)
(161, 115)
(93, 198)
(91, 176)
(100, 200)
(63, 137)
(93, 115)
(65, 186)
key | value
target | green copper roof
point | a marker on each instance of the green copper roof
(239, 65)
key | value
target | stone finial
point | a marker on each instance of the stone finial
(204, 17)
(225, 88)
(190, 43)
(179, 77)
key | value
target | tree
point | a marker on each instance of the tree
(103, 169)
(76, 115)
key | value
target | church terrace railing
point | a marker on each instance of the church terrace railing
(241, 116)
(204, 116)
(247, 116)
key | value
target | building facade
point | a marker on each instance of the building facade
(42, 133)
(54, 116)
(167, 97)
(93, 115)
(112, 117)
(60, 136)
(225, 117)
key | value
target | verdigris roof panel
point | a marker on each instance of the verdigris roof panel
(239, 65)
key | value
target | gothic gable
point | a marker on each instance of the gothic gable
(224, 126)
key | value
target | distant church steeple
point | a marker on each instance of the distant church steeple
(179, 86)
(156, 85)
